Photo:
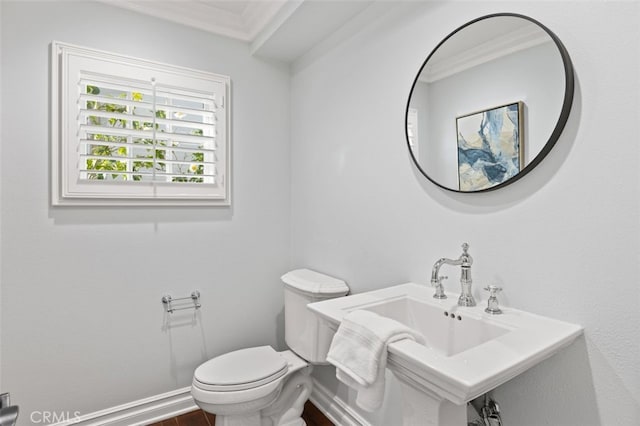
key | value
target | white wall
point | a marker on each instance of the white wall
(82, 321)
(563, 241)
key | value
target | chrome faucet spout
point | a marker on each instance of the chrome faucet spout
(436, 279)
(436, 267)
(464, 261)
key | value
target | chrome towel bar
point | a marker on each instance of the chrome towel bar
(167, 300)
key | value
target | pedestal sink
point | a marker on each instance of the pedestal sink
(467, 352)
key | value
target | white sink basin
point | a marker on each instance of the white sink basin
(467, 351)
(442, 335)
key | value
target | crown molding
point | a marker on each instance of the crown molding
(206, 16)
(498, 47)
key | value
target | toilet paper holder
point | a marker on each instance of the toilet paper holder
(168, 301)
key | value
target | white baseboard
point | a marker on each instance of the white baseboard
(171, 404)
(139, 413)
(334, 408)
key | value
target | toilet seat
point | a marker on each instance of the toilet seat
(240, 370)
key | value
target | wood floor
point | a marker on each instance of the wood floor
(311, 415)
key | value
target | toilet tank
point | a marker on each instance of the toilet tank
(304, 332)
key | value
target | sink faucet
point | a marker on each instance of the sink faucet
(464, 261)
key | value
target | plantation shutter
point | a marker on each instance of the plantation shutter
(135, 130)
(123, 123)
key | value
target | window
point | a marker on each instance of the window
(133, 132)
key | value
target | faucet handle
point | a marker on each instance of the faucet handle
(492, 303)
(438, 283)
(439, 294)
(493, 290)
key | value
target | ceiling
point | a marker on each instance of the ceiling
(239, 19)
(278, 29)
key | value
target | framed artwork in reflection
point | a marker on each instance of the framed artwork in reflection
(490, 146)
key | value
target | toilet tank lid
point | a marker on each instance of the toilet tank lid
(313, 282)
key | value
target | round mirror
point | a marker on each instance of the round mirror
(489, 103)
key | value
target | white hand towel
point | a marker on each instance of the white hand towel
(367, 397)
(359, 351)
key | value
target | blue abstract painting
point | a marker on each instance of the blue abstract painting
(489, 146)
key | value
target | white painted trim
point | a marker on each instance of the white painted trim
(279, 18)
(260, 15)
(68, 190)
(512, 42)
(190, 14)
(334, 408)
(174, 403)
(139, 413)
(207, 17)
(376, 10)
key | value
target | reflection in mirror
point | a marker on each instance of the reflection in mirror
(489, 103)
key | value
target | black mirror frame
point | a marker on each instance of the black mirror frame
(557, 130)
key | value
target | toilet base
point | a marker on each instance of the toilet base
(297, 422)
(251, 420)
(254, 421)
(286, 409)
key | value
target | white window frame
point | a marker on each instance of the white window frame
(67, 189)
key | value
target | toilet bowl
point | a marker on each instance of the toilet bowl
(259, 386)
(238, 385)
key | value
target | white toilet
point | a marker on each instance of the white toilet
(259, 386)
